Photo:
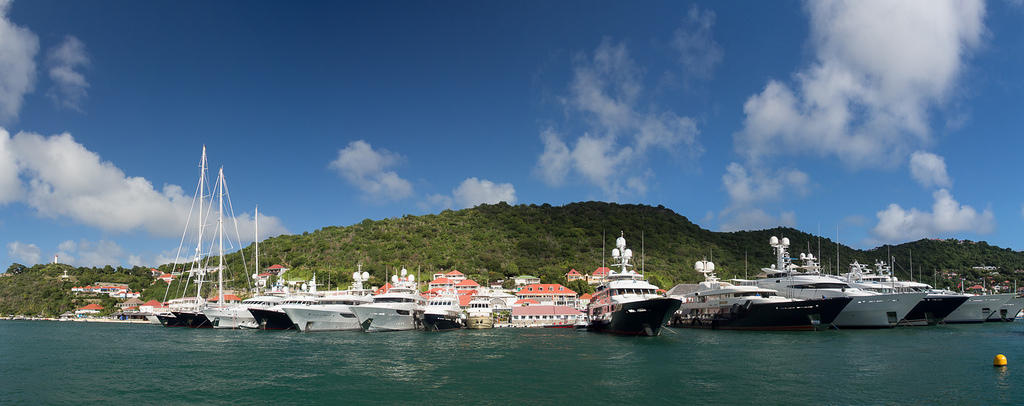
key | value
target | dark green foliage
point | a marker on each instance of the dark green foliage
(491, 242)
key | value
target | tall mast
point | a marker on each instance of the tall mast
(257, 239)
(199, 243)
(220, 236)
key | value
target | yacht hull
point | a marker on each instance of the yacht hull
(878, 311)
(441, 322)
(639, 318)
(169, 320)
(229, 317)
(374, 319)
(153, 319)
(933, 309)
(309, 319)
(193, 319)
(977, 308)
(801, 315)
(1008, 311)
(267, 319)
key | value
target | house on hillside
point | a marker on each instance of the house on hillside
(277, 269)
(523, 280)
(598, 277)
(573, 275)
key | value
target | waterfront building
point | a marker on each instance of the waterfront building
(544, 315)
(467, 284)
(152, 306)
(549, 293)
(88, 310)
(133, 302)
(584, 300)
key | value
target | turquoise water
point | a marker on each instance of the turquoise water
(53, 362)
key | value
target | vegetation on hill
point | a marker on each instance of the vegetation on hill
(491, 242)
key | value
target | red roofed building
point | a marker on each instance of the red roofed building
(441, 283)
(526, 302)
(598, 276)
(467, 292)
(573, 275)
(467, 284)
(277, 269)
(455, 276)
(88, 310)
(155, 272)
(166, 277)
(263, 278)
(585, 300)
(152, 306)
(542, 315)
(549, 293)
(464, 300)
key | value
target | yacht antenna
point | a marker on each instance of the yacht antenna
(744, 264)
(837, 249)
(911, 264)
(641, 253)
(602, 248)
(199, 245)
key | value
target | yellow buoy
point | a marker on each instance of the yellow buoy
(999, 361)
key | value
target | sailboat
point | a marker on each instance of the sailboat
(189, 311)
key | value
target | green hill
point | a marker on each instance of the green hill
(491, 242)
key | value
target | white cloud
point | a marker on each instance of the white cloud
(18, 47)
(26, 253)
(749, 189)
(472, 192)
(64, 179)
(438, 201)
(10, 185)
(605, 92)
(879, 67)
(929, 170)
(69, 84)
(698, 51)
(947, 216)
(367, 169)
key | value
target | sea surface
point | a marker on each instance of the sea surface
(45, 362)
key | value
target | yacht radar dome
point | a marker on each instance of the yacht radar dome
(394, 278)
(615, 252)
(404, 272)
(620, 242)
(699, 266)
(366, 276)
(412, 278)
(785, 241)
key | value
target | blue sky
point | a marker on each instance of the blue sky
(894, 121)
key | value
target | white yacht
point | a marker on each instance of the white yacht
(931, 310)
(400, 308)
(1008, 310)
(626, 303)
(977, 308)
(866, 309)
(479, 315)
(443, 312)
(238, 315)
(721, 305)
(332, 312)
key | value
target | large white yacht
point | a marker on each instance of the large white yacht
(977, 308)
(479, 315)
(866, 309)
(400, 308)
(332, 312)
(625, 303)
(443, 312)
(721, 305)
(931, 310)
(238, 315)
